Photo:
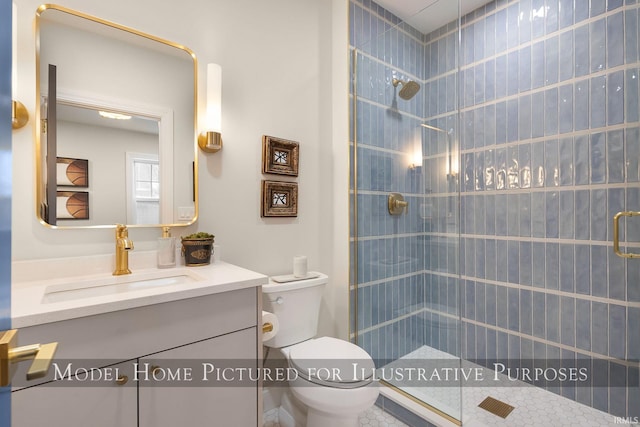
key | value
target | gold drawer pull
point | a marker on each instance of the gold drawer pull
(616, 238)
(122, 380)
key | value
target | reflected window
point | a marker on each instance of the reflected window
(143, 202)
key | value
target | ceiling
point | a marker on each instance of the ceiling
(429, 15)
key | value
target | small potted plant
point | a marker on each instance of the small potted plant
(197, 248)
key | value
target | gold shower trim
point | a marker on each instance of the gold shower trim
(423, 404)
(354, 100)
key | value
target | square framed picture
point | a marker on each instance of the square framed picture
(72, 205)
(279, 199)
(72, 172)
(280, 156)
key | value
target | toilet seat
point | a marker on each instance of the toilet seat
(329, 362)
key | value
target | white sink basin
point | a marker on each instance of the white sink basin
(75, 289)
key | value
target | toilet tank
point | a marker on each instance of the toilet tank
(297, 306)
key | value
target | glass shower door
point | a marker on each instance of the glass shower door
(404, 204)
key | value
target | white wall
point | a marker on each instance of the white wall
(285, 74)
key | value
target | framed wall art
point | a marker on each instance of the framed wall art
(280, 156)
(72, 172)
(72, 205)
(279, 199)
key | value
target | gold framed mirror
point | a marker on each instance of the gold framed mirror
(116, 111)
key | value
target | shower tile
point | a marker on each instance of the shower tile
(615, 98)
(617, 331)
(490, 259)
(513, 14)
(513, 61)
(489, 125)
(566, 108)
(551, 16)
(501, 124)
(512, 120)
(582, 160)
(566, 59)
(525, 263)
(598, 7)
(478, 40)
(552, 212)
(632, 149)
(538, 210)
(566, 13)
(470, 305)
(567, 211)
(582, 216)
(597, 30)
(552, 266)
(490, 304)
(537, 114)
(598, 215)
(537, 65)
(633, 204)
(478, 128)
(467, 45)
(566, 161)
(524, 75)
(581, 50)
(615, 204)
(524, 204)
(614, 4)
(470, 256)
(539, 315)
(598, 101)
(489, 80)
(480, 302)
(502, 301)
(526, 312)
(615, 40)
(583, 324)
(631, 35)
(551, 111)
(553, 317)
(581, 110)
(524, 117)
(501, 215)
(501, 30)
(490, 215)
(479, 210)
(598, 158)
(567, 264)
(469, 88)
(631, 95)
(567, 321)
(581, 10)
(514, 308)
(501, 260)
(537, 23)
(617, 277)
(478, 72)
(490, 35)
(551, 59)
(615, 156)
(513, 215)
(599, 271)
(538, 264)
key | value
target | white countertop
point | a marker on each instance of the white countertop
(31, 305)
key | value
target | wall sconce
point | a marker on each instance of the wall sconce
(19, 113)
(210, 139)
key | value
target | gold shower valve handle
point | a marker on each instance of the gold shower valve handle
(616, 232)
(10, 354)
(396, 204)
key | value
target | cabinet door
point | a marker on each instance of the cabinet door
(108, 401)
(201, 403)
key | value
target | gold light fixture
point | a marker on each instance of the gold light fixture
(210, 139)
(19, 113)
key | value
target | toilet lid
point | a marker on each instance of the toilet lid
(332, 362)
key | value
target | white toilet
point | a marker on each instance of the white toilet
(335, 377)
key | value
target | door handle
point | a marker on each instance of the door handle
(10, 354)
(616, 238)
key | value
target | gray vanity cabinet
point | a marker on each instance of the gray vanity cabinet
(219, 329)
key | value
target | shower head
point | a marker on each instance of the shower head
(409, 88)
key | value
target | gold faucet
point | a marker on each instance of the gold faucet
(123, 246)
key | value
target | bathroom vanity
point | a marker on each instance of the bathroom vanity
(140, 351)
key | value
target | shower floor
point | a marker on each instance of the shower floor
(534, 406)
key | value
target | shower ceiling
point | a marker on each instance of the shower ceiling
(428, 15)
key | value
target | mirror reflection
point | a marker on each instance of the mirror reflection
(118, 111)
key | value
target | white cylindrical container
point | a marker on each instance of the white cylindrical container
(300, 266)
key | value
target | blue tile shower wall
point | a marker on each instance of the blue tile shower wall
(548, 154)
(547, 97)
(390, 249)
